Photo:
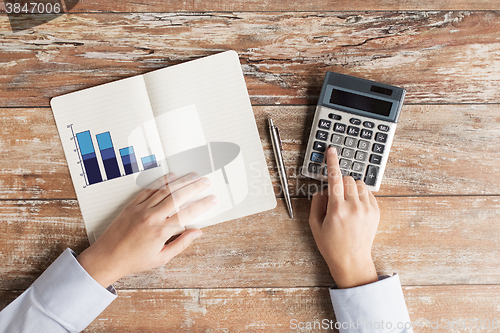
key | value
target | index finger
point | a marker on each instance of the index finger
(335, 183)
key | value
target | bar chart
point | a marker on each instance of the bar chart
(90, 161)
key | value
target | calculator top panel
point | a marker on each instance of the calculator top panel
(362, 97)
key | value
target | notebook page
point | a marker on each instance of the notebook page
(206, 124)
(112, 146)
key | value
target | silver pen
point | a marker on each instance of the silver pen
(278, 155)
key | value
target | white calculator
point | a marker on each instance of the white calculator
(358, 117)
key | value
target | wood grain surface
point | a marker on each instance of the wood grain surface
(438, 149)
(439, 57)
(428, 240)
(431, 308)
(439, 200)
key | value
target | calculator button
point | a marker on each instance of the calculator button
(368, 124)
(339, 128)
(378, 148)
(364, 145)
(358, 167)
(324, 124)
(355, 121)
(356, 176)
(339, 149)
(344, 172)
(366, 134)
(349, 153)
(337, 139)
(334, 116)
(375, 159)
(345, 164)
(352, 130)
(321, 135)
(371, 175)
(313, 168)
(381, 137)
(384, 128)
(325, 171)
(317, 157)
(350, 142)
(319, 146)
(361, 156)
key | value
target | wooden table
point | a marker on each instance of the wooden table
(439, 200)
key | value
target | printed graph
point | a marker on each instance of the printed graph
(90, 160)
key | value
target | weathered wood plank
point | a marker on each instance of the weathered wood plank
(254, 5)
(275, 309)
(438, 149)
(440, 57)
(428, 240)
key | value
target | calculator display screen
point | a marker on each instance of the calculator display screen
(359, 102)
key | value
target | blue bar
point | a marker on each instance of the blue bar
(129, 161)
(108, 155)
(89, 158)
(149, 162)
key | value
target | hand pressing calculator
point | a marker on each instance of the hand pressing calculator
(358, 117)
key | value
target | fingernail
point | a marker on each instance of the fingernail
(194, 175)
(197, 235)
(171, 176)
(213, 198)
(206, 180)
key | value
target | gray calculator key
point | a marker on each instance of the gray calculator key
(355, 121)
(371, 175)
(339, 127)
(381, 137)
(368, 124)
(356, 176)
(361, 156)
(353, 130)
(334, 116)
(317, 157)
(366, 134)
(375, 159)
(324, 124)
(337, 139)
(364, 145)
(383, 128)
(313, 168)
(349, 153)
(344, 172)
(319, 146)
(345, 164)
(350, 142)
(339, 149)
(321, 135)
(378, 148)
(358, 167)
(325, 171)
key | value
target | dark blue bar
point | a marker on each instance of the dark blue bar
(129, 161)
(92, 170)
(108, 155)
(89, 158)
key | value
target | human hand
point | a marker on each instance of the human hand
(344, 222)
(135, 240)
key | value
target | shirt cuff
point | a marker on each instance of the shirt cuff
(70, 293)
(375, 307)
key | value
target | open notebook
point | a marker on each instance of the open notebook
(196, 116)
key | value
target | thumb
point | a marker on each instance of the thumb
(178, 245)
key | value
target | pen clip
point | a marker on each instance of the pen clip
(279, 138)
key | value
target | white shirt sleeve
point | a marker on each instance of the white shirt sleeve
(376, 307)
(65, 298)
